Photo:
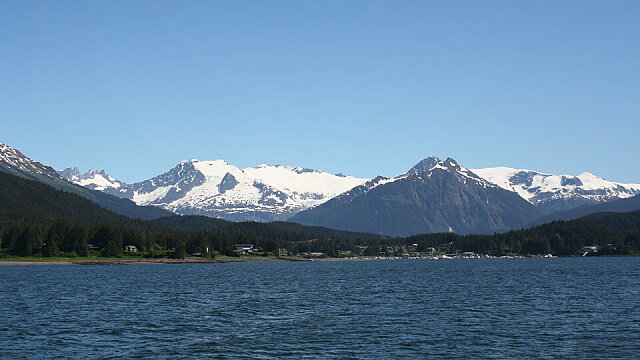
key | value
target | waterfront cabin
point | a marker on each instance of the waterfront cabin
(245, 249)
(283, 252)
(130, 248)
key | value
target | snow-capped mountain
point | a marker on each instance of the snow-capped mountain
(433, 196)
(557, 192)
(215, 188)
(94, 180)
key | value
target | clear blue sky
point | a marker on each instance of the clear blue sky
(359, 87)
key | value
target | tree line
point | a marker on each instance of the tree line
(72, 238)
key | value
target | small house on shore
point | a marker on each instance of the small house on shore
(245, 249)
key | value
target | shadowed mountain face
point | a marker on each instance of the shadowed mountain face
(433, 196)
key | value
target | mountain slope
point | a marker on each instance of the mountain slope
(218, 189)
(434, 196)
(557, 192)
(14, 162)
(23, 198)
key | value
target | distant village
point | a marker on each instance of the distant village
(391, 252)
(361, 253)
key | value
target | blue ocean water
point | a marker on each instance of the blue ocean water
(571, 308)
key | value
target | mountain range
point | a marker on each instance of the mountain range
(39, 220)
(433, 196)
(218, 189)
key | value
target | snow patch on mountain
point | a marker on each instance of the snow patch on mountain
(216, 188)
(96, 180)
(544, 190)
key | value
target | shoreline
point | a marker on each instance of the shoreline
(18, 262)
(138, 261)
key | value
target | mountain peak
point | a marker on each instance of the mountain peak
(72, 174)
(7, 151)
(94, 180)
(425, 164)
(432, 162)
(589, 175)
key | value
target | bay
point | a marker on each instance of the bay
(561, 308)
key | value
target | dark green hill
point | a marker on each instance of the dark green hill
(26, 199)
(192, 223)
(629, 221)
(558, 238)
(253, 229)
